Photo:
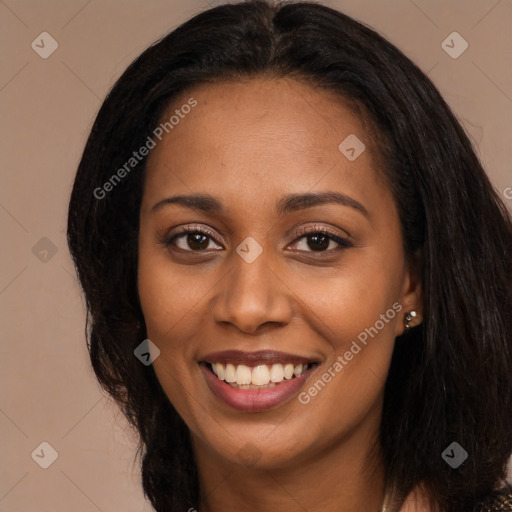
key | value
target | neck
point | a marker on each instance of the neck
(345, 477)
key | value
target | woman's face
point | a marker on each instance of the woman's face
(262, 289)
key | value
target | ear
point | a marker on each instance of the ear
(411, 296)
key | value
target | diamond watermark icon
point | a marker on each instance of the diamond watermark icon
(249, 454)
(44, 250)
(147, 352)
(45, 455)
(249, 249)
(351, 147)
(454, 45)
(44, 45)
(454, 455)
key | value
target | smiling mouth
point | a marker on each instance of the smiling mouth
(241, 376)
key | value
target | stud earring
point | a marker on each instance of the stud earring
(409, 317)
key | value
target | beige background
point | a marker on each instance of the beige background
(48, 393)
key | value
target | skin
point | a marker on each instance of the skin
(249, 144)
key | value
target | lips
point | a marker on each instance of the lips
(256, 358)
(255, 381)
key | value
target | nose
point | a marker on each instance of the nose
(252, 296)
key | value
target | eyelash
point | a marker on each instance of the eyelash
(341, 241)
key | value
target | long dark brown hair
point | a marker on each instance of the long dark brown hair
(450, 377)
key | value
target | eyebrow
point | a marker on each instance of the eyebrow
(287, 204)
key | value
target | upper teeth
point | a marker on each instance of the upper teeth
(258, 375)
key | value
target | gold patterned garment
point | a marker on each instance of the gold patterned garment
(498, 501)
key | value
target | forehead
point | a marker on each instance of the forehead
(261, 136)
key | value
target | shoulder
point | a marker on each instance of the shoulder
(496, 501)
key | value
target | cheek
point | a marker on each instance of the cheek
(167, 295)
(350, 385)
(356, 311)
(165, 303)
(357, 321)
(351, 298)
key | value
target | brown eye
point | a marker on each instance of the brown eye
(197, 241)
(319, 240)
(193, 240)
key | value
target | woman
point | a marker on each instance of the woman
(342, 341)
